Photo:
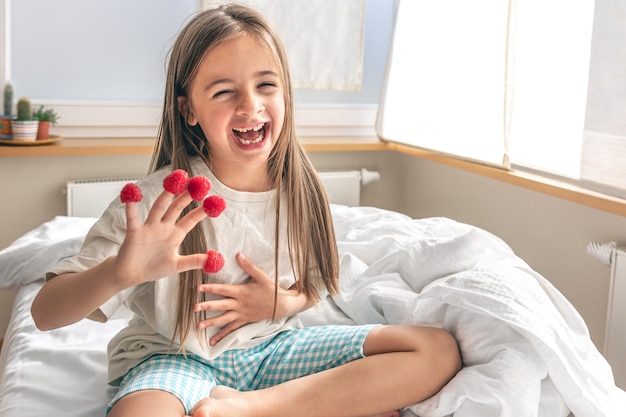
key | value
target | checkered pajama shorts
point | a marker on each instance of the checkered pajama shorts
(289, 355)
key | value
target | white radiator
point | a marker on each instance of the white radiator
(615, 333)
(344, 187)
(89, 198)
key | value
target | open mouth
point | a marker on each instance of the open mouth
(250, 135)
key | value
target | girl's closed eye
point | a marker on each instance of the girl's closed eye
(222, 93)
(268, 88)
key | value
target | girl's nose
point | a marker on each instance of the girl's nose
(250, 105)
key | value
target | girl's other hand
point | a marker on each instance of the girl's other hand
(247, 303)
(150, 250)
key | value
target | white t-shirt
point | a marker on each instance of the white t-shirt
(246, 225)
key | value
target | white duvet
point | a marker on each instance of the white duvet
(526, 351)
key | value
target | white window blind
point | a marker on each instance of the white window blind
(323, 39)
(604, 141)
(539, 84)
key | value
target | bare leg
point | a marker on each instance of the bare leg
(394, 413)
(210, 406)
(148, 403)
(403, 366)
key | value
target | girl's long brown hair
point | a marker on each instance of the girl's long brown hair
(310, 234)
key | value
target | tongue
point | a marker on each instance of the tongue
(249, 135)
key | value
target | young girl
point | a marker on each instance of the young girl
(194, 346)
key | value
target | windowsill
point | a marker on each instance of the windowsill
(558, 189)
(144, 146)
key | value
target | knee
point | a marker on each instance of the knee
(445, 354)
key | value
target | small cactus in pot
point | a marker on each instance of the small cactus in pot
(6, 129)
(8, 99)
(24, 109)
(25, 126)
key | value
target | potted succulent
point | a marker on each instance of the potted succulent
(5, 118)
(47, 117)
(25, 125)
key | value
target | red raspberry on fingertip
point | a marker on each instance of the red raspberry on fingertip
(214, 205)
(131, 193)
(176, 181)
(214, 262)
(198, 187)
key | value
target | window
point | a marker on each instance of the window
(534, 84)
(106, 84)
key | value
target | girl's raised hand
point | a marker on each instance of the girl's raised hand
(150, 249)
(249, 302)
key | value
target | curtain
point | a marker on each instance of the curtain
(604, 142)
(323, 39)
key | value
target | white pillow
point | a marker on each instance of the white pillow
(29, 257)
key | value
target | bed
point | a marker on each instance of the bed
(526, 351)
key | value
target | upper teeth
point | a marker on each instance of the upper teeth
(247, 129)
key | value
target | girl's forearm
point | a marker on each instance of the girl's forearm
(68, 298)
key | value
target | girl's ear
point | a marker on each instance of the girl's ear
(183, 107)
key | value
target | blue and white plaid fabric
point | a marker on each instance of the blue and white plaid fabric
(288, 355)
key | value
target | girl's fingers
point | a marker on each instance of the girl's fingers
(189, 262)
(247, 265)
(191, 219)
(218, 321)
(176, 207)
(229, 328)
(221, 304)
(168, 210)
(227, 322)
(132, 219)
(159, 207)
(225, 290)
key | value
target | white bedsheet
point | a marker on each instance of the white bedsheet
(526, 350)
(58, 373)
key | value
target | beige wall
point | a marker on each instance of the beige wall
(34, 186)
(550, 234)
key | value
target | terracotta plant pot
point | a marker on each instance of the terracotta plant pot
(6, 132)
(25, 130)
(43, 132)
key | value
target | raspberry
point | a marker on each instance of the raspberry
(214, 205)
(131, 193)
(214, 262)
(176, 181)
(198, 187)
